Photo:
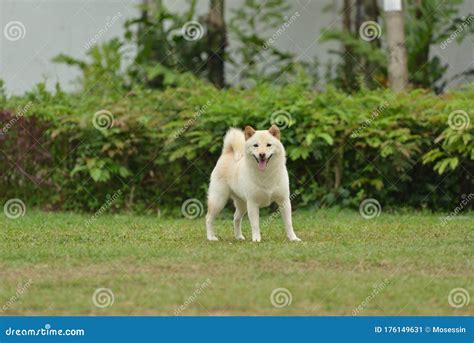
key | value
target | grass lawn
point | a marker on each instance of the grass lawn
(154, 266)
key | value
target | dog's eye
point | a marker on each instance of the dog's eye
(255, 145)
(269, 145)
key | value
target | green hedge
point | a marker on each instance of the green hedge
(399, 149)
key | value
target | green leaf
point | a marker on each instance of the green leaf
(96, 174)
(326, 137)
(124, 172)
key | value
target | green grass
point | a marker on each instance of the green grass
(154, 265)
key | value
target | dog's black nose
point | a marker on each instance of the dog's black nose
(262, 156)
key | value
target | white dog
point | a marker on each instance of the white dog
(251, 170)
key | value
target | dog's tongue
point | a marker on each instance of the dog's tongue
(262, 164)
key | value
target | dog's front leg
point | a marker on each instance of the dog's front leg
(285, 208)
(253, 212)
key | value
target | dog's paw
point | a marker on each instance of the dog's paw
(212, 238)
(294, 239)
(240, 238)
(256, 239)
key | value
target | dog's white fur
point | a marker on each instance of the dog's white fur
(252, 172)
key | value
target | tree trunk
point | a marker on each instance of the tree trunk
(346, 12)
(397, 55)
(372, 13)
(348, 59)
(217, 35)
(359, 14)
(372, 10)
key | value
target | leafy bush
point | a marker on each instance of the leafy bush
(163, 145)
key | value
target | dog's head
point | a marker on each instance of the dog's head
(263, 147)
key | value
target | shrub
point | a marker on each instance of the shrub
(163, 145)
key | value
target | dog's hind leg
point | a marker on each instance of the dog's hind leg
(240, 210)
(218, 196)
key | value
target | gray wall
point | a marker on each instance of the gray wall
(65, 26)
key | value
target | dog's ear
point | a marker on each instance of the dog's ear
(249, 131)
(275, 131)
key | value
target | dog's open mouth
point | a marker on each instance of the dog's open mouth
(262, 162)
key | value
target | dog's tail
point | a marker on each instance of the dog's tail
(234, 142)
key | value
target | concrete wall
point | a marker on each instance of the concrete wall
(66, 26)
